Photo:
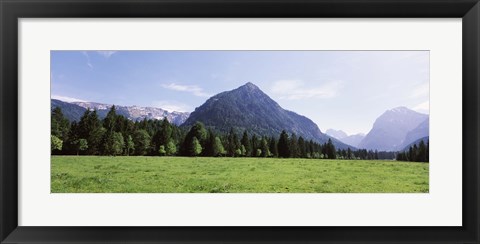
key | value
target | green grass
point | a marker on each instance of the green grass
(261, 175)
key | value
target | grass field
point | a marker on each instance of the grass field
(212, 175)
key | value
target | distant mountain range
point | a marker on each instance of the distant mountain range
(73, 111)
(353, 140)
(249, 108)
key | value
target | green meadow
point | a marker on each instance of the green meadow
(102, 174)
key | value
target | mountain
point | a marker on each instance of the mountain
(73, 111)
(391, 128)
(421, 131)
(416, 142)
(353, 140)
(249, 108)
(339, 134)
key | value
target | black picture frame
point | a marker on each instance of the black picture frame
(12, 10)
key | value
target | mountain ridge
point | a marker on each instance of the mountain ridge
(74, 110)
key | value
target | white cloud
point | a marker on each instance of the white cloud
(296, 90)
(172, 106)
(106, 54)
(195, 90)
(423, 107)
(67, 99)
(89, 64)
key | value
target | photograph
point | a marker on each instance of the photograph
(239, 121)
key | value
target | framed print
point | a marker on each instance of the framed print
(234, 121)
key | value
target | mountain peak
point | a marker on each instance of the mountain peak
(339, 134)
(400, 109)
(250, 86)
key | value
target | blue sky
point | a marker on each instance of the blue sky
(344, 90)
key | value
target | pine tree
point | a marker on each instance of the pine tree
(246, 143)
(331, 149)
(198, 131)
(283, 145)
(90, 128)
(233, 143)
(254, 144)
(264, 148)
(415, 153)
(427, 152)
(209, 149)
(108, 140)
(273, 147)
(302, 149)
(60, 127)
(422, 152)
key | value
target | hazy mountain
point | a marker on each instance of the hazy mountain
(339, 134)
(421, 131)
(391, 128)
(74, 110)
(416, 142)
(247, 107)
(353, 140)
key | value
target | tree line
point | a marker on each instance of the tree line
(415, 153)
(117, 135)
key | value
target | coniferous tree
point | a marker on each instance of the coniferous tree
(331, 149)
(283, 145)
(255, 145)
(233, 143)
(108, 140)
(414, 153)
(293, 146)
(60, 127)
(302, 149)
(209, 149)
(264, 148)
(273, 147)
(422, 152)
(198, 131)
(427, 152)
(246, 143)
(90, 128)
